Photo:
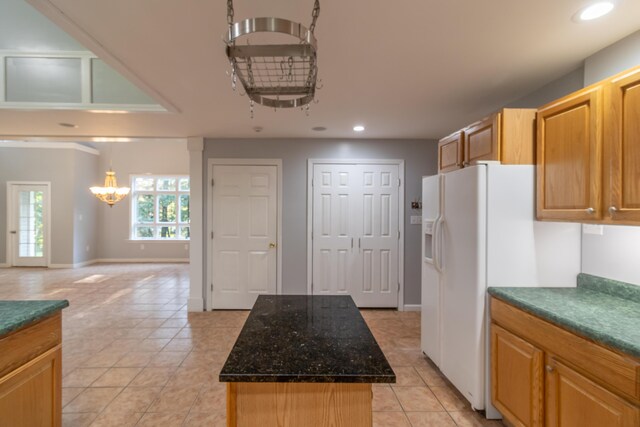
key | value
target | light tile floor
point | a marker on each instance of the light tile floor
(133, 356)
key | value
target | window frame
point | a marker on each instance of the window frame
(156, 193)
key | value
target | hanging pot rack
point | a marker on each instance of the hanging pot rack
(274, 75)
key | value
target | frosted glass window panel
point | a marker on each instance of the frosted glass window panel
(43, 80)
(109, 87)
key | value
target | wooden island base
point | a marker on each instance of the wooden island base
(299, 404)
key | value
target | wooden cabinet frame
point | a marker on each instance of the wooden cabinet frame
(451, 152)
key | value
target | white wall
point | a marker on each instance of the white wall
(615, 254)
(150, 156)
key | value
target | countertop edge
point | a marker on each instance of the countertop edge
(34, 316)
(579, 330)
(308, 379)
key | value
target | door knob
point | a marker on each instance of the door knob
(590, 210)
(272, 245)
(549, 368)
(13, 232)
(612, 210)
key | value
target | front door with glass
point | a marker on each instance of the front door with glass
(28, 225)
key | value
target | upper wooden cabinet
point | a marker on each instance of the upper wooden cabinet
(622, 147)
(450, 152)
(589, 154)
(570, 156)
(506, 136)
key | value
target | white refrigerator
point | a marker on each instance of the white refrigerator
(479, 230)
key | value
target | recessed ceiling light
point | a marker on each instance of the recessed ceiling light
(68, 125)
(358, 128)
(319, 128)
(595, 10)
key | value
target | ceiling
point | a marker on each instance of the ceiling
(404, 69)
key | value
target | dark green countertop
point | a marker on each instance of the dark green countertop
(18, 314)
(603, 310)
(312, 339)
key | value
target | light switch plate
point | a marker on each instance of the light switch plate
(416, 219)
(596, 229)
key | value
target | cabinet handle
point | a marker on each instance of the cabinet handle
(612, 210)
(590, 210)
(549, 368)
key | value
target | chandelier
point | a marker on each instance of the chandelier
(274, 75)
(110, 193)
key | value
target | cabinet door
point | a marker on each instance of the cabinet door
(482, 140)
(569, 157)
(450, 152)
(575, 401)
(31, 395)
(622, 145)
(517, 378)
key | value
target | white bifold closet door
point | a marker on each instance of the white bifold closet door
(355, 232)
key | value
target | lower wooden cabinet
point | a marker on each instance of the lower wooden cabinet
(543, 375)
(575, 401)
(517, 375)
(31, 375)
(30, 396)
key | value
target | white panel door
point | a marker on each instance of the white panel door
(355, 232)
(244, 258)
(334, 228)
(28, 225)
(376, 279)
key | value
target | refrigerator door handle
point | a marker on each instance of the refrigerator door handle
(435, 246)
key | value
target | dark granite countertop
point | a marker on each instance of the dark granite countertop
(603, 310)
(297, 338)
(18, 314)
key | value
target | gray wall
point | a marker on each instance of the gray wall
(155, 157)
(420, 159)
(85, 208)
(565, 85)
(613, 59)
(51, 165)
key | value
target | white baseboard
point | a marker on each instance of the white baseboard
(143, 260)
(412, 307)
(75, 265)
(195, 304)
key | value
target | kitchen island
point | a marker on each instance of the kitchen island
(303, 360)
(30, 363)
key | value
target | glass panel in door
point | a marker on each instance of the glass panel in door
(29, 225)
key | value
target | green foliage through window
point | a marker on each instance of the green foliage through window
(160, 207)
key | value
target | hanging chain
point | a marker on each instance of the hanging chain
(314, 15)
(230, 13)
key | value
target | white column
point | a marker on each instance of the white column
(195, 145)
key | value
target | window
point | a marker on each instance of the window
(159, 207)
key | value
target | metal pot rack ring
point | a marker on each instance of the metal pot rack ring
(274, 75)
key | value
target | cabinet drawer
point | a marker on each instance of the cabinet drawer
(18, 348)
(616, 371)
